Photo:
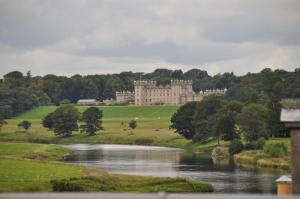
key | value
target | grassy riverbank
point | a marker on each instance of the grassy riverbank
(31, 167)
(257, 158)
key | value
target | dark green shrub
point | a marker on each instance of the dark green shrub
(276, 149)
(65, 185)
(235, 146)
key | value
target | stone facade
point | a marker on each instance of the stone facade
(124, 97)
(178, 92)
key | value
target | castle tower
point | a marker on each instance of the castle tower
(139, 92)
(180, 89)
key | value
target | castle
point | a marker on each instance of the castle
(178, 92)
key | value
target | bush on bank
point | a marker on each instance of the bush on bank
(276, 149)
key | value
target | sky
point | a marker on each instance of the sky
(67, 37)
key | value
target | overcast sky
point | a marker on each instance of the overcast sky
(109, 36)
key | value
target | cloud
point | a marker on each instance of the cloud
(109, 36)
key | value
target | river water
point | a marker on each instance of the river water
(170, 162)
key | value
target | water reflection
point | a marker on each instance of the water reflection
(160, 161)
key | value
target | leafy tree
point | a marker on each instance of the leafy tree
(182, 120)
(132, 124)
(48, 121)
(92, 117)
(25, 125)
(253, 121)
(43, 98)
(225, 120)
(14, 79)
(65, 120)
(177, 74)
(204, 117)
(224, 126)
(14, 75)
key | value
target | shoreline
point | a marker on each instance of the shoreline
(39, 163)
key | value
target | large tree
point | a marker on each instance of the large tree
(92, 118)
(225, 121)
(204, 117)
(65, 120)
(253, 121)
(182, 120)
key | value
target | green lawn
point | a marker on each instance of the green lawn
(31, 167)
(111, 112)
(152, 127)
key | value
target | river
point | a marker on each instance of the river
(170, 162)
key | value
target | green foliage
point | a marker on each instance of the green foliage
(42, 98)
(92, 117)
(65, 120)
(261, 143)
(25, 125)
(132, 124)
(64, 101)
(278, 149)
(225, 120)
(235, 146)
(182, 120)
(203, 118)
(253, 122)
(47, 121)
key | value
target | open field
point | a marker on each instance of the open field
(152, 127)
(30, 167)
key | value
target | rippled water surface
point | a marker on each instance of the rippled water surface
(161, 161)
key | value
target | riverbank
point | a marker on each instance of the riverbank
(28, 167)
(257, 158)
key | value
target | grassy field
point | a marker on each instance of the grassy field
(152, 127)
(31, 167)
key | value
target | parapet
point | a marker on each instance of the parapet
(213, 91)
(181, 82)
(144, 83)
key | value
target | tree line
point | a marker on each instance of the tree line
(20, 92)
